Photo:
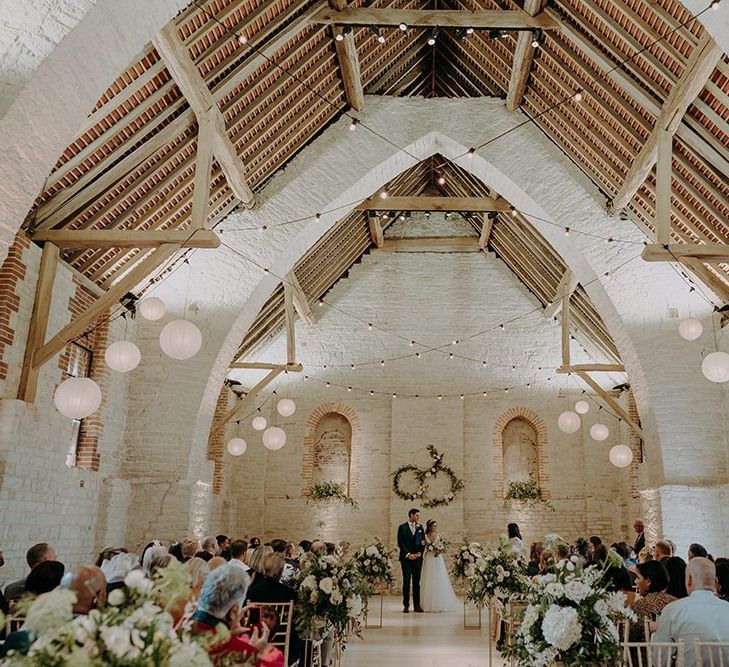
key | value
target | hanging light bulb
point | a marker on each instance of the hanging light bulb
(536, 34)
(180, 339)
(441, 180)
(578, 96)
(274, 438)
(242, 39)
(690, 328)
(569, 422)
(403, 27)
(286, 407)
(339, 37)
(715, 367)
(599, 432)
(432, 37)
(383, 194)
(77, 398)
(582, 407)
(237, 446)
(259, 423)
(621, 456)
(122, 356)
(152, 308)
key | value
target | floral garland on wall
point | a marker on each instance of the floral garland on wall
(322, 492)
(528, 494)
(422, 477)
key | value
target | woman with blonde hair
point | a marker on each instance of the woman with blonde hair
(198, 569)
(258, 558)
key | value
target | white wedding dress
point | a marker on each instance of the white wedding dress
(436, 591)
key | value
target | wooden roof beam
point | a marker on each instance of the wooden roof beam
(428, 203)
(198, 95)
(699, 68)
(246, 400)
(434, 18)
(376, 233)
(674, 252)
(567, 285)
(523, 57)
(301, 301)
(129, 238)
(348, 61)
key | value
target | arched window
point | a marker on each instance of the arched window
(332, 449)
(520, 453)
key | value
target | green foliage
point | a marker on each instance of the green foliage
(527, 494)
(323, 492)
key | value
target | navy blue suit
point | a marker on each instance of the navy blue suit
(410, 543)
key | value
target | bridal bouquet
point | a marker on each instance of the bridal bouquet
(498, 573)
(464, 562)
(571, 618)
(331, 595)
(374, 565)
(437, 547)
(133, 629)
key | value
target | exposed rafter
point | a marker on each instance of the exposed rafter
(432, 244)
(566, 287)
(129, 238)
(248, 398)
(704, 59)
(426, 203)
(523, 57)
(348, 61)
(376, 232)
(487, 226)
(674, 252)
(198, 95)
(301, 301)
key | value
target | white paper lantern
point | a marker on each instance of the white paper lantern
(152, 308)
(122, 356)
(568, 422)
(286, 407)
(237, 446)
(690, 328)
(180, 339)
(77, 398)
(599, 432)
(259, 423)
(582, 407)
(715, 367)
(274, 438)
(621, 456)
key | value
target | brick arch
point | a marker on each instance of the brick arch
(498, 453)
(312, 422)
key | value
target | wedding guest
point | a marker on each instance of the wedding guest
(645, 554)
(36, 555)
(216, 562)
(640, 536)
(662, 550)
(546, 563)
(89, 584)
(534, 553)
(44, 577)
(318, 548)
(117, 568)
(223, 546)
(153, 543)
(304, 546)
(107, 554)
(190, 547)
(176, 551)
(595, 542)
(155, 557)
(701, 616)
(238, 554)
(220, 603)
(291, 553)
(722, 578)
(257, 558)
(562, 551)
(208, 548)
(278, 546)
(515, 539)
(331, 548)
(676, 568)
(616, 577)
(582, 548)
(697, 551)
(343, 549)
(254, 543)
(651, 582)
(198, 569)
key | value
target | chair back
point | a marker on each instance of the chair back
(711, 654)
(281, 639)
(653, 654)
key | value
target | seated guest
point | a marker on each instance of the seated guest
(107, 554)
(208, 548)
(562, 551)
(331, 548)
(257, 558)
(220, 604)
(238, 554)
(290, 555)
(702, 615)
(651, 582)
(254, 543)
(223, 546)
(216, 562)
(37, 554)
(722, 578)
(44, 577)
(534, 553)
(89, 585)
(304, 546)
(646, 554)
(595, 543)
(546, 563)
(155, 557)
(190, 547)
(662, 550)
(676, 568)
(278, 546)
(582, 548)
(117, 568)
(697, 551)
(176, 551)
(198, 569)
(616, 577)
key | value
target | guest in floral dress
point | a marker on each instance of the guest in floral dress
(651, 582)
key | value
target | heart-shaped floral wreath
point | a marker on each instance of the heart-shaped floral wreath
(422, 476)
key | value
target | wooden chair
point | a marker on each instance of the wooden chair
(282, 638)
(711, 654)
(311, 656)
(653, 654)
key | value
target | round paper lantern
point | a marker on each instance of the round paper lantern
(152, 308)
(237, 446)
(621, 456)
(568, 422)
(122, 356)
(259, 423)
(582, 407)
(690, 328)
(77, 398)
(599, 432)
(180, 339)
(286, 407)
(274, 438)
(715, 367)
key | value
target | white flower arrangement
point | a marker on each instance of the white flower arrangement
(374, 564)
(497, 573)
(437, 547)
(570, 618)
(464, 561)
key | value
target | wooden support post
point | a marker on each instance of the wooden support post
(38, 322)
(246, 400)
(523, 57)
(612, 403)
(348, 61)
(428, 203)
(290, 324)
(487, 226)
(77, 327)
(602, 368)
(203, 162)
(129, 238)
(567, 285)
(260, 365)
(664, 166)
(301, 301)
(566, 330)
(376, 234)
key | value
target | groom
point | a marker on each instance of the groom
(411, 541)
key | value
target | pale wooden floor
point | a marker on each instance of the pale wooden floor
(425, 640)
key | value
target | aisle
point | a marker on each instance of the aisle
(428, 640)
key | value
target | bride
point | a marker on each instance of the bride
(437, 592)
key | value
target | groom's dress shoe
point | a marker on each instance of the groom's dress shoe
(405, 610)
(419, 610)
